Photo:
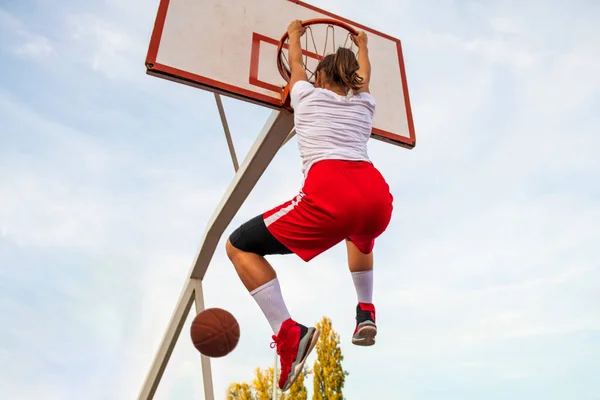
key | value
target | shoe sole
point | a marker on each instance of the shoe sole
(365, 336)
(297, 369)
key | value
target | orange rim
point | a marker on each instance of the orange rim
(285, 71)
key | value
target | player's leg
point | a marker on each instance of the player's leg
(361, 268)
(246, 249)
(360, 262)
(375, 216)
(307, 225)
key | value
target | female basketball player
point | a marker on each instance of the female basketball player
(344, 197)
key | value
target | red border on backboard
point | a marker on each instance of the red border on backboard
(257, 38)
(175, 74)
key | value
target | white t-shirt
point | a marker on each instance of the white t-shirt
(329, 125)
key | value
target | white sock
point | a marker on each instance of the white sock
(269, 299)
(363, 282)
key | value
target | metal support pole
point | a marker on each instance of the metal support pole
(168, 342)
(209, 393)
(275, 386)
(234, 159)
(289, 137)
(269, 141)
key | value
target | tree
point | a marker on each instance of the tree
(263, 383)
(298, 389)
(329, 376)
(240, 391)
(262, 388)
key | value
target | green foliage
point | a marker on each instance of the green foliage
(329, 376)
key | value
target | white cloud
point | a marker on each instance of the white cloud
(28, 43)
(506, 26)
(499, 50)
(36, 47)
(107, 48)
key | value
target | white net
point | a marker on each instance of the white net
(318, 41)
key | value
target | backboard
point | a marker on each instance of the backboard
(230, 47)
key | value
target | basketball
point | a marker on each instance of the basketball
(215, 332)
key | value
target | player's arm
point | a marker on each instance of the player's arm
(364, 70)
(298, 73)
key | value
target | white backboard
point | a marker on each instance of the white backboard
(230, 47)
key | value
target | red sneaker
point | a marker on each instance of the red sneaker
(364, 334)
(294, 343)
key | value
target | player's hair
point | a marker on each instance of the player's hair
(341, 68)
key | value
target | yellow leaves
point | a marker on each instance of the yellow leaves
(298, 389)
(328, 374)
(262, 388)
(263, 383)
(239, 391)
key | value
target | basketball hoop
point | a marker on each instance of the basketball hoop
(320, 45)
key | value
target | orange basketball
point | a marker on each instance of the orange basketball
(215, 332)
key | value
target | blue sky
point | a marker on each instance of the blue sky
(487, 281)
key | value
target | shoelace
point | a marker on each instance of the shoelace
(281, 350)
(276, 342)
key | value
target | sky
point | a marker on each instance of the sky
(487, 282)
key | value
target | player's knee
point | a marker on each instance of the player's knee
(231, 250)
(235, 243)
(253, 237)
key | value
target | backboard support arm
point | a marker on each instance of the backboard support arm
(234, 159)
(275, 133)
(272, 137)
(290, 136)
(182, 310)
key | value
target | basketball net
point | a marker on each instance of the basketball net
(312, 51)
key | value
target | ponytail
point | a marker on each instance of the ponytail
(341, 69)
(346, 66)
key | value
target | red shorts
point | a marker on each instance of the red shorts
(340, 200)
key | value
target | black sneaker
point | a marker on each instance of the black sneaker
(364, 334)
